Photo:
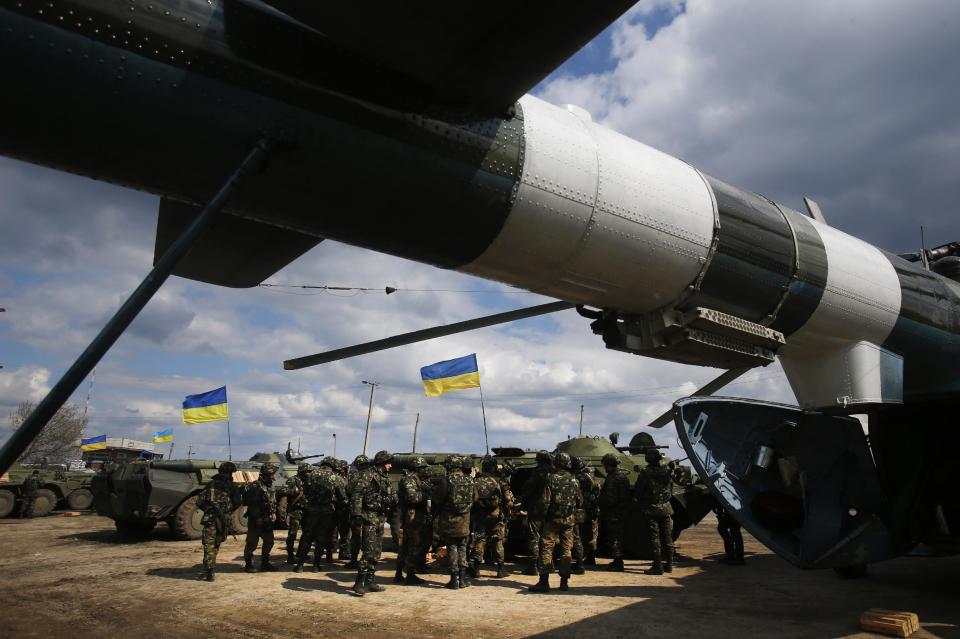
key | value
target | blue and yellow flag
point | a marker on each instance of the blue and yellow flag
(163, 436)
(94, 443)
(450, 375)
(206, 407)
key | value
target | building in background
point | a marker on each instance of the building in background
(120, 450)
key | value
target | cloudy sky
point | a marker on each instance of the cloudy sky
(853, 104)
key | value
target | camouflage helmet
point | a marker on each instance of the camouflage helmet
(329, 462)
(304, 468)
(268, 469)
(610, 460)
(653, 456)
(576, 464)
(451, 462)
(488, 464)
(544, 456)
(342, 466)
(382, 457)
(466, 462)
(361, 461)
(417, 463)
(563, 461)
(227, 468)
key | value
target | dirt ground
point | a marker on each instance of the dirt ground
(74, 577)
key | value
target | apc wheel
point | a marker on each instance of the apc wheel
(856, 571)
(8, 502)
(80, 499)
(134, 529)
(45, 501)
(239, 521)
(186, 523)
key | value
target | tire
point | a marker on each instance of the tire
(134, 529)
(239, 520)
(8, 501)
(44, 503)
(80, 499)
(856, 571)
(186, 523)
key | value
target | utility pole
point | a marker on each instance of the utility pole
(415, 425)
(581, 420)
(334, 445)
(189, 450)
(366, 433)
(170, 454)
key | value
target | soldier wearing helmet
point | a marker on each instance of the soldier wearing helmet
(342, 530)
(504, 473)
(261, 503)
(486, 518)
(218, 500)
(29, 490)
(559, 519)
(354, 470)
(453, 500)
(293, 491)
(586, 530)
(615, 499)
(324, 492)
(370, 503)
(533, 501)
(414, 500)
(653, 490)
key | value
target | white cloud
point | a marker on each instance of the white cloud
(24, 384)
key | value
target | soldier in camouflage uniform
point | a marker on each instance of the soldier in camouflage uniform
(615, 500)
(653, 490)
(293, 490)
(504, 473)
(341, 532)
(586, 531)
(560, 517)
(371, 502)
(217, 501)
(453, 499)
(261, 504)
(360, 464)
(414, 498)
(486, 518)
(533, 500)
(325, 491)
(31, 485)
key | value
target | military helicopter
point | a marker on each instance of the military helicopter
(259, 122)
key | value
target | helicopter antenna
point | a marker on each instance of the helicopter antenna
(923, 251)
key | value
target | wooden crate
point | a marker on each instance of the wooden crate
(891, 622)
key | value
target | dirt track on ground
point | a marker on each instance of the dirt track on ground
(74, 577)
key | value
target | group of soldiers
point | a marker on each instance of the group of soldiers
(345, 507)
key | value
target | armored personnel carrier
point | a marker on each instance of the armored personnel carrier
(57, 485)
(140, 494)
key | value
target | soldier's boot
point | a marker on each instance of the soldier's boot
(299, 566)
(290, 558)
(590, 560)
(474, 570)
(464, 578)
(248, 565)
(531, 568)
(412, 579)
(329, 556)
(564, 583)
(541, 586)
(316, 564)
(360, 585)
(265, 565)
(501, 571)
(616, 565)
(668, 563)
(655, 569)
(454, 582)
(398, 575)
(577, 568)
(373, 586)
(209, 575)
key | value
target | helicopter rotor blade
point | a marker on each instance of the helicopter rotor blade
(709, 388)
(423, 335)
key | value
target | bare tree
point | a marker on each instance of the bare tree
(58, 439)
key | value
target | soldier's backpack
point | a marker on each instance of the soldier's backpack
(488, 493)
(320, 490)
(563, 489)
(461, 494)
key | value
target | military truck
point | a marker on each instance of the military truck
(140, 494)
(691, 498)
(57, 485)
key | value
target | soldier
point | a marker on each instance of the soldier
(31, 485)
(586, 530)
(653, 490)
(261, 503)
(614, 505)
(486, 518)
(534, 502)
(360, 464)
(729, 529)
(293, 490)
(370, 503)
(453, 499)
(414, 500)
(565, 501)
(341, 532)
(217, 501)
(504, 473)
(324, 492)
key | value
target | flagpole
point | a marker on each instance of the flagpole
(483, 411)
(229, 445)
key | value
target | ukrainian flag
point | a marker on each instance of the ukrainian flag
(94, 443)
(450, 375)
(206, 407)
(163, 436)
